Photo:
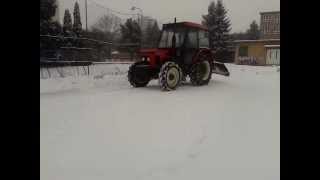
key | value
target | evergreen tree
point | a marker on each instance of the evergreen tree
(77, 26)
(67, 23)
(219, 26)
(209, 20)
(151, 35)
(155, 34)
(146, 36)
(48, 27)
(67, 29)
(55, 29)
(253, 32)
(131, 33)
(223, 28)
(47, 9)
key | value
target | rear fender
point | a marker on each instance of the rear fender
(203, 52)
(217, 67)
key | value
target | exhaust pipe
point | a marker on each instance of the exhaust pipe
(174, 34)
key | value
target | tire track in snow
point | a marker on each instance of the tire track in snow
(173, 169)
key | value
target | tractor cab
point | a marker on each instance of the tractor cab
(186, 34)
(184, 39)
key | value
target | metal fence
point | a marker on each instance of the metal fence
(73, 56)
(60, 48)
(77, 69)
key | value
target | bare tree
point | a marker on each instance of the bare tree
(109, 25)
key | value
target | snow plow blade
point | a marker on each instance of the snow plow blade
(220, 68)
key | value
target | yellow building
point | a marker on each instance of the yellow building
(264, 51)
(257, 52)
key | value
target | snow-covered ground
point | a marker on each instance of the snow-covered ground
(97, 127)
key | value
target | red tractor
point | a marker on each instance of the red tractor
(183, 50)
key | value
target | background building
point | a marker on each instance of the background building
(146, 20)
(258, 52)
(266, 50)
(270, 25)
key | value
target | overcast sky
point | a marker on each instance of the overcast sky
(240, 12)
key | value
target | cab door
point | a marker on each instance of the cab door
(191, 46)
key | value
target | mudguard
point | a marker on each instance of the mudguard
(218, 67)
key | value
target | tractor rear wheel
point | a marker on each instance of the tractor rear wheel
(137, 77)
(169, 76)
(201, 73)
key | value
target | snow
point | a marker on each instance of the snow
(98, 127)
(271, 46)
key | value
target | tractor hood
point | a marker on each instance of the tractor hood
(155, 55)
(154, 51)
(149, 50)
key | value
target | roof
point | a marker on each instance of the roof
(258, 40)
(186, 24)
(270, 12)
(195, 25)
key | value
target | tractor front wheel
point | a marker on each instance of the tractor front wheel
(137, 76)
(169, 76)
(201, 73)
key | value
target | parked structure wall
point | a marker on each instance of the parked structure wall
(252, 52)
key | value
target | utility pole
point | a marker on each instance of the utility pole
(86, 16)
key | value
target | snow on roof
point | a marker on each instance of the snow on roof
(269, 12)
(115, 52)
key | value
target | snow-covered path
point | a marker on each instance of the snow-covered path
(101, 128)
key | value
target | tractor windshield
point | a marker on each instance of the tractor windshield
(166, 38)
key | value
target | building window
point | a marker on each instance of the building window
(243, 51)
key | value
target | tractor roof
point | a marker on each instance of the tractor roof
(185, 25)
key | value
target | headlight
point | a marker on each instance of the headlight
(145, 59)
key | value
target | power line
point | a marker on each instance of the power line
(109, 9)
(115, 11)
(89, 39)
